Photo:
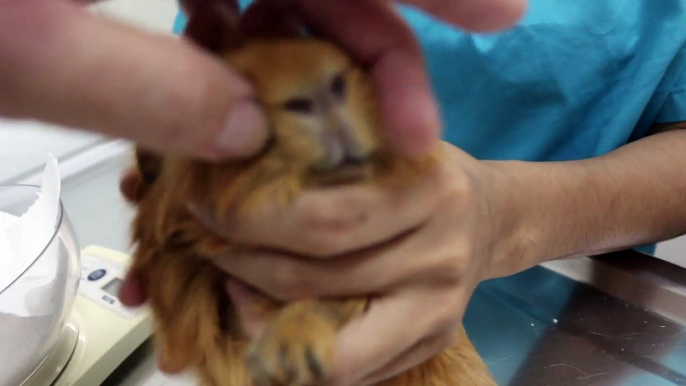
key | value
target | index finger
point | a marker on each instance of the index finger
(328, 223)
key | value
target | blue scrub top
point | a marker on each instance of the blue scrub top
(573, 80)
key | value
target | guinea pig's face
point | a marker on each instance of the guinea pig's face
(319, 105)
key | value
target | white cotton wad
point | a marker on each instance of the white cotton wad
(32, 300)
(23, 239)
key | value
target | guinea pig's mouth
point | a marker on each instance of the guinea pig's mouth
(349, 170)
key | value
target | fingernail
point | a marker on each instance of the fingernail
(245, 131)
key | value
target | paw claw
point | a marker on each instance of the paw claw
(314, 365)
(292, 354)
(259, 374)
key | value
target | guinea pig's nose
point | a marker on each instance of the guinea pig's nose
(341, 148)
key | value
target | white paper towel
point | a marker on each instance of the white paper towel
(22, 240)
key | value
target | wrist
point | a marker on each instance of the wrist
(504, 195)
(532, 202)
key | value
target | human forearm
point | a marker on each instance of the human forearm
(632, 196)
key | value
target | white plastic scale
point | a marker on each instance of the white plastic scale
(101, 333)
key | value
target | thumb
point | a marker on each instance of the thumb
(132, 293)
(64, 65)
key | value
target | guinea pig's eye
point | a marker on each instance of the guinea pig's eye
(299, 105)
(149, 177)
(338, 86)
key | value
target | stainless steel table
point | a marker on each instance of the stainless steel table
(615, 320)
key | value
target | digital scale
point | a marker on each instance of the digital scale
(101, 333)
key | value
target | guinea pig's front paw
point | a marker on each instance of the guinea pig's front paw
(296, 349)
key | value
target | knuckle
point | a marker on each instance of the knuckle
(446, 317)
(451, 267)
(448, 338)
(458, 190)
(402, 37)
(406, 40)
(441, 341)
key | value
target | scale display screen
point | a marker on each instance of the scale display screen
(112, 287)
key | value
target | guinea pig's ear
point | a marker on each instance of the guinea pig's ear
(215, 28)
(270, 19)
(131, 186)
(149, 165)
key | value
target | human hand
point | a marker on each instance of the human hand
(421, 249)
(66, 66)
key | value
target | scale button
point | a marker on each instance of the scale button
(97, 275)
